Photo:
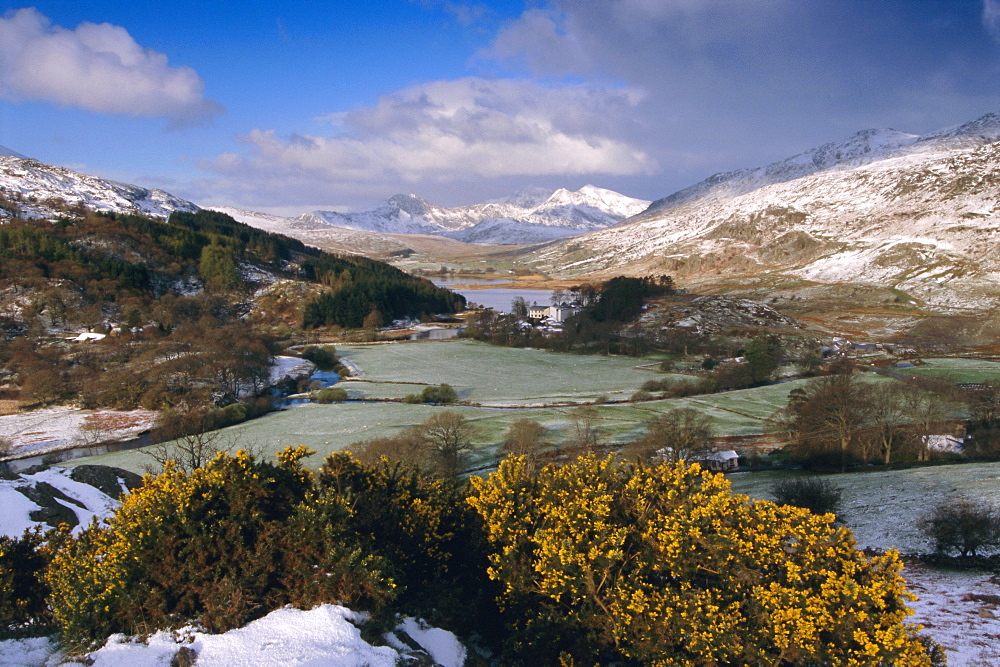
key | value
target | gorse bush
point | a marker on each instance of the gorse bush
(665, 566)
(222, 545)
(22, 591)
(430, 538)
(591, 562)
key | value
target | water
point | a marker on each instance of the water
(444, 282)
(326, 377)
(497, 298)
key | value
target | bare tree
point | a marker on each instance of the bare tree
(681, 434)
(929, 414)
(887, 415)
(407, 448)
(524, 437)
(187, 438)
(830, 414)
(519, 307)
(448, 437)
(585, 433)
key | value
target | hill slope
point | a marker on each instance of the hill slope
(32, 189)
(883, 208)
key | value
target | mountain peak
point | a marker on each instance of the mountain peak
(410, 204)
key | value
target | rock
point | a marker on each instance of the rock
(106, 479)
(185, 657)
(52, 512)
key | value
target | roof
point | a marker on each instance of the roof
(726, 455)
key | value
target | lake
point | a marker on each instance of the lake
(497, 298)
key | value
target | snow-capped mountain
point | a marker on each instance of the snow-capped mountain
(32, 189)
(319, 234)
(530, 216)
(882, 207)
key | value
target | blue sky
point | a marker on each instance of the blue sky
(292, 106)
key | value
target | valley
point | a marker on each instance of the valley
(728, 308)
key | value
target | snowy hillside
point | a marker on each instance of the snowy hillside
(882, 208)
(38, 190)
(319, 234)
(57, 495)
(530, 216)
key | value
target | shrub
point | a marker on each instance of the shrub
(324, 357)
(664, 565)
(331, 395)
(23, 609)
(816, 494)
(959, 525)
(440, 395)
(221, 545)
(443, 394)
(429, 537)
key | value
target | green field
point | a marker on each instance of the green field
(490, 375)
(506, 384)
(956, 370)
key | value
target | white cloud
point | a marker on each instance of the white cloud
(991, 17)
(98, 67)
(449, 131)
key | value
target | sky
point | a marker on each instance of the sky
(290, 106)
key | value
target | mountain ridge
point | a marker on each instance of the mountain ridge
(529, 216)
(918, 213)
(37, 190)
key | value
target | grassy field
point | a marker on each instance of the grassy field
(884, 507)
(507, 384)
(491, 375)
(957, 370)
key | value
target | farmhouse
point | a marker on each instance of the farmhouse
(720, 461)
(558, 313)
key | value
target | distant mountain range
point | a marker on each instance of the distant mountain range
(920, 214)
(531, 216)
(917, 213)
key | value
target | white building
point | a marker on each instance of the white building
(558, 313)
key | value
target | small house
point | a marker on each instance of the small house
(724, 461)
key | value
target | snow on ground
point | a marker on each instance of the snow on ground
(442, 645)
(15, 507)
(15, 519)
(322, 637)
(960, 611)
(96, 504)
(31, 652)
(290, 367)
(52, 429)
